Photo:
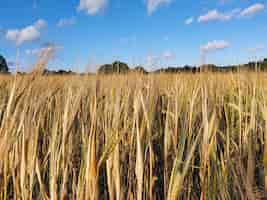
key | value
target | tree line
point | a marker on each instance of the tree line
(118, 67)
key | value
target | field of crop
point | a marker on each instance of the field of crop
(185, 136)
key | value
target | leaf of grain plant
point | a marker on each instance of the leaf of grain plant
(179, 171)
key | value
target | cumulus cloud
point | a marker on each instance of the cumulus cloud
(214, 45)
(189, 21)
(252, 10)
(66, 22)
(215, 15)
(27, 34)
(153, 5)
(92, 7)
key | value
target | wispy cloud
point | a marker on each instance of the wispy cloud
(92, 7)
(11, 63)
(215, 15)
(152, 60)
(48, 48)
(66, 22)
(257, 48)
(214, 46)
(27, 34)
(252, 10)
(168, 55)
(189, 21)
(153, 5)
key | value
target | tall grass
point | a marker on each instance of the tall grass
(118, 137)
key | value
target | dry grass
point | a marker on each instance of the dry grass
(138, 137)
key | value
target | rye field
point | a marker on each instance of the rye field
(135, 137)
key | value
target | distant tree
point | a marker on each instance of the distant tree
(21, 73)
(64, 72)
(209, 68)
(264, 64)
(169, 70)
(120, 67)
(116, 67)
(59, 72)
(140, 69)
(187, 68)
(105, 69)
(3, 65)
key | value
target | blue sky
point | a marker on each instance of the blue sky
(153, 33)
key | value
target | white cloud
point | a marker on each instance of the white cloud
(47, 49)
(252, 10)
(153, 5)
(27, 34)
(215, 15)
(168, 55)
(24, 35)
(214, 45)
(152, 60)
(40, 23)
(257, 48)
(92, 7)
(66, 22)
(189, 21)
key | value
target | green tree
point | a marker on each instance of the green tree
(3, 65)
